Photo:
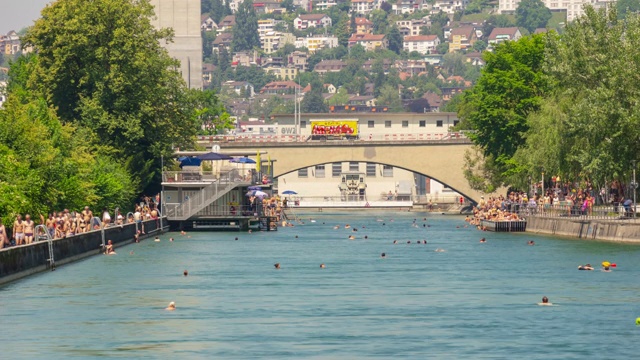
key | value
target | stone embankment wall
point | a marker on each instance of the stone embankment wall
(610, 230)
(20, 261)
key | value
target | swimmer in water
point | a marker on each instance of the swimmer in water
(156, 239)
(336, 227)
(296, 236)
(236, 239)
(531, 243)
(351, 237)
(408, 241)
(185, 273)
(322, 266)
(383, 255)
(606, 269)
(483, 240)
(585, 267)
(183, 232)
(545, 302)
(440, 250)
(277, 266)
(250, 231)
(395, 241)
(366, 237)
(171, 239)
(108, 250)
(171, 307)
(347, 226)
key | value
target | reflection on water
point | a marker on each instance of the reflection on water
(472, 301)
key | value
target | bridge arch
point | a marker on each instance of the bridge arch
(441, 161)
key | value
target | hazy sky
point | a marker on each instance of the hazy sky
(16, 14)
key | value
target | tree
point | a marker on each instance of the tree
(218, 9)
(341, 30)
(386, 7)
(245, 31)
(479, 46)
(341, 97)
(101, 65)
(532, 14)
(313, 101)
(442, 48)
(627, 6)
(454, 63)
(210, 112)
(510, 88)
(288, 4)
(395, 39)
(390, 97)
(379, 19)
(207, 44)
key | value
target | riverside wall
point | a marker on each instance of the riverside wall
(608, 230)
(21, 261)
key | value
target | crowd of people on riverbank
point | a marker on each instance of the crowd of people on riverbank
(66, 223)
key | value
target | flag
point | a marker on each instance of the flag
(258, 161)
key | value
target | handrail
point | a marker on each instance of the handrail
(42, 231)
(101, 228)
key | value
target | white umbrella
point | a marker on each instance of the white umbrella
(259, 193)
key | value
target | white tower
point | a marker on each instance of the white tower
(183, 16)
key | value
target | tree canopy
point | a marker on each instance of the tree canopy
(245, 31)
(532, 14)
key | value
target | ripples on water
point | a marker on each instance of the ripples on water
(472, 301)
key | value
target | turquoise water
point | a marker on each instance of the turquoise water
(474, 301)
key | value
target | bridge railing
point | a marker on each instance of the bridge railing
(204, 176)
(391, 199)
(364, 136)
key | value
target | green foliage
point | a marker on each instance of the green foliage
(209, 112)
(341, 30)
(510, 88)
(313, 101)
(341, 97)
(442, 48)
(101, 65)
(625, 7)
(395, 39)
(532, 14)
(479, 46)
(389, 97)
(379, 19)
(245, 31)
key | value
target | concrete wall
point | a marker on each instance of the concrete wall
(183, 16)
(586, 229)
(20, 261)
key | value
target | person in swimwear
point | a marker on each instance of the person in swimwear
(18, 230)
(3, 236)
(171, 307)
(50, 223)
(277, 266)
(483, 240)
(322, 266)
(108, 250)
(545, 301)
(585, 267)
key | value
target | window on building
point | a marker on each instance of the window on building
(303, 173)
(387, 171)
(303, 124)
(423, 123)
(319, 171)
(405, 123)
(455, 122)
(387, 123)
(371, 170)
(354, 166)
(370, 123)
(439, 123)
(336, 169)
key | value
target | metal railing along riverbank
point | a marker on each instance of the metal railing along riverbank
(618, 213)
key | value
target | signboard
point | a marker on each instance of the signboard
(334, 127)
(288, 130)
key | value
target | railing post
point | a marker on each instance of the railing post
(39, 230)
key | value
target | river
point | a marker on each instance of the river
(474, 301)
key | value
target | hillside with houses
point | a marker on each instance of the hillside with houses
(362, 55)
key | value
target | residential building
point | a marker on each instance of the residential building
(208, 24)
(363, 26)
(245, 58)
(325, 4)
(299, 60)
(184, 18)
(434, 100)
(305, 5)
(369, 41)
(268, 7)
(223, 40)
(424, 44)
(265, 26)
(574, 8)
(10, 43)
(273, 41)
(326, 66)
(306, 21)
(315, 43)
(410, 27)
(499, 35)
(449, 7)
(241, 88)
(282, 72)
(329, 88)
(411, 67)
(362, 7)
(462, 38)
(475, 58)
(405, 6)
(280, 88)
(369, 65)
(207, 74)
(227, 23)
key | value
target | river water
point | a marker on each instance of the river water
(474, 301)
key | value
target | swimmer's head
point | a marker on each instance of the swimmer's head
(296, 236)
(545, 299)
(276, 265)
(366, 237)
(185, 273)
(172, 306)
(395, 241)
(236, 239)
(322, 266)
(383, 255)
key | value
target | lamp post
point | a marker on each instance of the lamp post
(542, 183)
(634, 187)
